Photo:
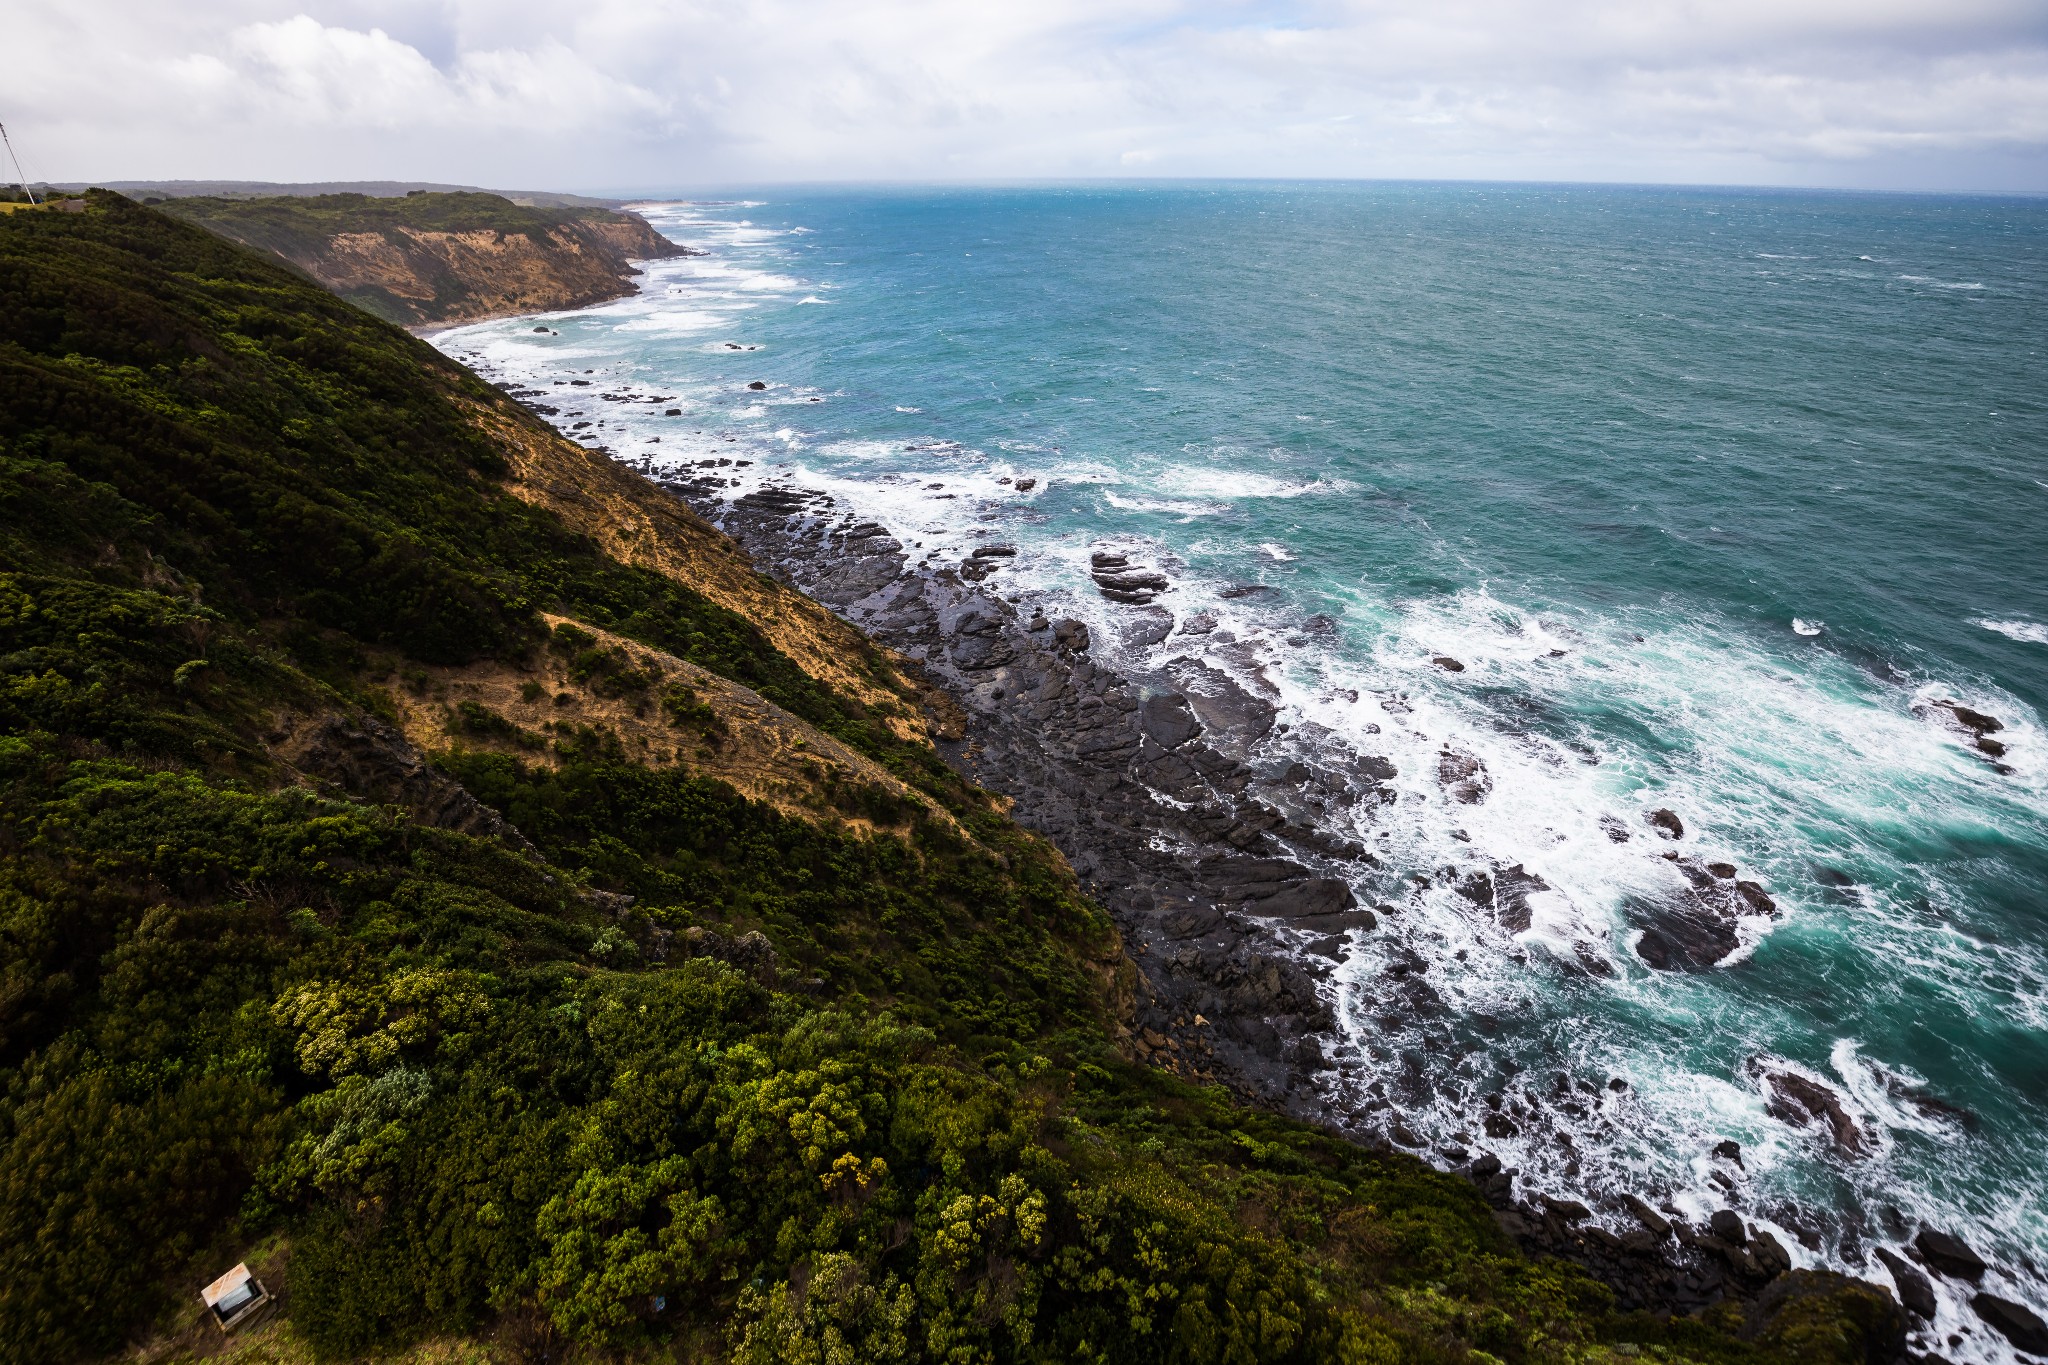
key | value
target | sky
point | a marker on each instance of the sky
(644, 96)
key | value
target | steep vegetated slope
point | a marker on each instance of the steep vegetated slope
(426, 258)
(491, 931)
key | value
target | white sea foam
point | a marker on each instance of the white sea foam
(1228, 485)
(676, 322)
(1808, 628)
(1181, 508)
(1276, 552)
(2027, 632)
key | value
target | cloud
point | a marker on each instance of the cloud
(655, 93)
(309, 76)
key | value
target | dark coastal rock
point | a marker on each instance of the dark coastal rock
(1771, 1256)
(1915, 1292)
(1463, 776)
(1697, 924)
(1132, 581)
(1448, 664)
(1693, 947)
(1117, 579)
(1318, 896)
(1337, 922)
(1192, 920)
(1476, 887)
(1803, 1102)
(1727, 1225)
(1146, 628)
(1755, 898)
(980, 652)
(1569, 1210)
(1949, 1255)
(1974, 721)
(1168, 720)
(1249, 879)
(1221, 702)
(757, 385)
(1666, 823)
(2016, 1322)
(1513, 887)
(1653, 1222)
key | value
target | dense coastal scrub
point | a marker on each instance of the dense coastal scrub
(652, 1071)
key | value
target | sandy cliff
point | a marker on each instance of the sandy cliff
(428, 260)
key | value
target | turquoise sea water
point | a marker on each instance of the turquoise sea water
(1770, 469)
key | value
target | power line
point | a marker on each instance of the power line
(20, 174)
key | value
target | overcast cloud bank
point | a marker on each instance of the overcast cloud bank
(643, 95)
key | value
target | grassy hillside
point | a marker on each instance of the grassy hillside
(808, 1057)
(434, 258)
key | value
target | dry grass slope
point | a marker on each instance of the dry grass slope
(761, 750)
(640, 524)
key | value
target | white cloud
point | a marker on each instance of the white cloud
(310, 76)
(651, 93)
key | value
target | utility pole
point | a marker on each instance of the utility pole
(19, 174)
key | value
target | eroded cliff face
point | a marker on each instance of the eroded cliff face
(434, 260)
(437, 278)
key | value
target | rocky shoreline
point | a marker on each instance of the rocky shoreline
(1234, 908)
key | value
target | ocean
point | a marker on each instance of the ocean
(1574, 504)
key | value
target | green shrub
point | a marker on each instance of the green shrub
(816, 1095)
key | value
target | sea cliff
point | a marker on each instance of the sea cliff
(438, 259)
